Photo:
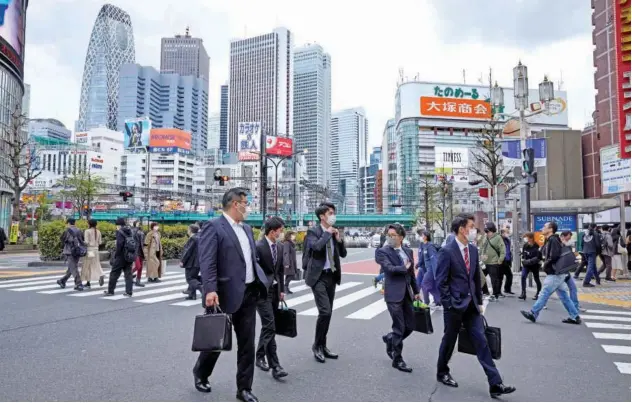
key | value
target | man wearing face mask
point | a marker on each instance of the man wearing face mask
(459, 279)
(231, 277)
(324, 246)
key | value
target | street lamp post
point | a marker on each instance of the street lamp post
(276, 164)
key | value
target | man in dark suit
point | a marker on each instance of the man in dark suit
(459, 281)
(400, 289)
(321, 262)
(272, 264)
(232, 280)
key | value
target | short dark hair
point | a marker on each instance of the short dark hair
(121, 221)
(194, 228)
(288, 235)
(398, 229)
(566, 233)
(420, 231)
(152, 225)
(135, 222)
(427, 235)
(92, 223)
(273, 224)
(232, 195)
(553, 226)
(323, 208)
(461, 221)
(70, 221)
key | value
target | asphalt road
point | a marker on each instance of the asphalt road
(60, 347)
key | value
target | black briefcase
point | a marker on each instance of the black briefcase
(213, 331)
(285, 321)
(492, 334)
(423, 319)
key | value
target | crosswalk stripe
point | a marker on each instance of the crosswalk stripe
(607, 318)
(162, 298)
(6, 283)
(617, 349)
(369, 311)
(606, 312)
(599, 325)
(613, 336)
(98, 290)
(197, 301)
(26, 283)
(291, 302)
(344, 301)
(39, 287)
(179, 285)
(623, 367)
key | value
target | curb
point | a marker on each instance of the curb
(61, 263)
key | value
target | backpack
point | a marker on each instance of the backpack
(77, 248)
(130, 249)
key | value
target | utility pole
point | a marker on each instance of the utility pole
(264, 176)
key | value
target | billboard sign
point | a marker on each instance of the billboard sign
(80, 138)
(169, 141)
(512, 153)
(12, 21)
(615, 171)
(565, 222)
(455, 108)
(136, 134)
(249, 140)
(623, 45)
(452, 163)
(278, 146)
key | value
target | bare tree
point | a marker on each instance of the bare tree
(20, 158)
(430, 191)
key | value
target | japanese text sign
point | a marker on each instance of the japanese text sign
(278, 146)
(455, 108)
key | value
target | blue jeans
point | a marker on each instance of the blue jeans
(591, 269)
(555, 283)
(379, 277)
(420, 278)
(572, 290)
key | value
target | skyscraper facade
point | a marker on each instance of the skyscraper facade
(169, 100)
(48, 128)
(214, 123)
(185, 55)
(261, 83)
(349, 139)
(389, 167)
(223, 119)
(312, 109)
(111, 45)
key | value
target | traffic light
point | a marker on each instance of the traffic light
(528, 166)
(126, 195)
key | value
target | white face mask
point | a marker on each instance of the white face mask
(244, 214)
(391, 242)
(471, 235)
(526, 240)
(331, 220)
(293, 238)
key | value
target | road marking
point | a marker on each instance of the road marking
(344, 301)
(599, 325)
(309, 297)
(187, 302)
(617, 349)
(177, 287)
(298, 288)
(623, 367)
(613, 336)
(97, 289)
(606, 318)
(608, 312)
(162, 298)
(27, 274)
(27, 282)
(369, 311)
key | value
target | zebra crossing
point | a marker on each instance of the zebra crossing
(613, 329)
(359, 300)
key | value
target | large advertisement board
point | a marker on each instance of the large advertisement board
(451, 163)
(249, 140)
(615, 171)
(12, 21)
(169, 141)
(623, 45)
(512, 152)
(278, 146)
(136, 134)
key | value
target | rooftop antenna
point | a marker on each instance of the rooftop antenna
(560, 83)
(401, 75)
(186, 32)
(464, 82)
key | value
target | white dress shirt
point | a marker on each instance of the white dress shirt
(402, 255)
(244, 242)
(462, 249)
(328, 264)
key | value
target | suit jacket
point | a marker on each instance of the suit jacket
(456, 287)
(189, 257)
(398, 279)
(223, 265)
(316, 252)
(274, 272)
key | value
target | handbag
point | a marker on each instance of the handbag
(566, 262)
(212, 331)
(285, 321)
(423, 319)
(492, 334)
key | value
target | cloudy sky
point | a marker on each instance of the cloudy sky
(368, 41)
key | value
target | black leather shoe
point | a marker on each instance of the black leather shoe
(329, 354)
(262, 364)
(201, 385)
(500, 389)
(61, 284)
(278, 372)
(246, 396)
(389, 347)
(447, 380)
(529, 315)
(190, 297)
(401, 365)
(571, 321)
(318, 354)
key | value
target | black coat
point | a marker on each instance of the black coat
(189, 257)
(264, 258)
(289, 258)
(315, 251)
(119, 253)
(3, 238)
(551, 252)
(531, 256)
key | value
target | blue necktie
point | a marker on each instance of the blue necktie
(274, 253)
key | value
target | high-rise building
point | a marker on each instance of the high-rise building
(185, 55)
(26, 101)
(349, 138)
(223, 119)
(389, 167)
(111, 45)
(368, 183)
(261, 84)
(48, 128)
(214, 124)
(312, 109)
(169, 100)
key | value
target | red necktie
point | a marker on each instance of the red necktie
(466, 257)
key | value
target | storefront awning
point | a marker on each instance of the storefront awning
(581, 206)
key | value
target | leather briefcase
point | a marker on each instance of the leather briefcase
(492, 334)
(285, 321)
(213, 331)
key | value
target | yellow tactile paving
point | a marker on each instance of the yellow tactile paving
(602, 298)
(22, 273)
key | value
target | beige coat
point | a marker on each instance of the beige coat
(91, 268)
(153, 255)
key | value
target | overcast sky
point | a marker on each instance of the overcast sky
(368, 41)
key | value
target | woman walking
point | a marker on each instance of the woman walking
(427, 269)
(531, 258)
(91, 268)
(139, 236)
(289, 259)
(154, 254)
